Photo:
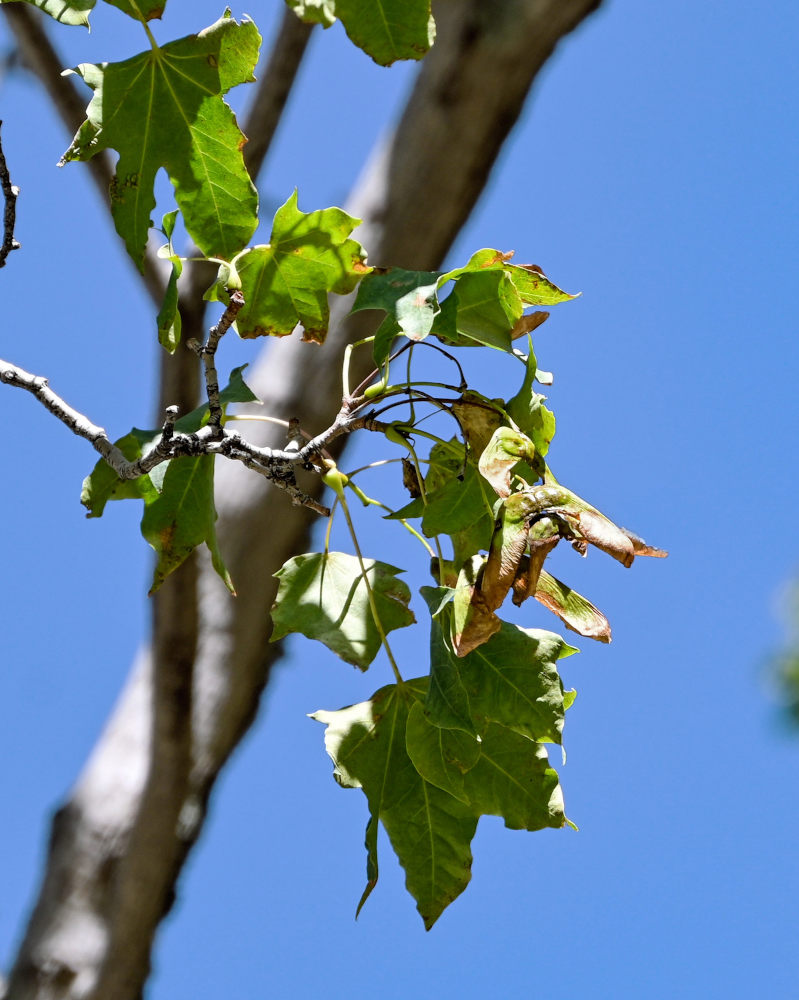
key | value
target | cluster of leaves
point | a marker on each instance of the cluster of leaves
(433, 753)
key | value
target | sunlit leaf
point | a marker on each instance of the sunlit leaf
(576, 613)
(504, 451)
(530, 282)
(512, 778)
(324, 596)
(194, 136)
(387, 30)
(287, 281)
(527, 410)
(409, 297)
(482, 308)
(73, 12)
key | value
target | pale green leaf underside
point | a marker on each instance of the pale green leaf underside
(429, 787)
(73, 12)
(387, 30)
(324, 597)
(193, 136)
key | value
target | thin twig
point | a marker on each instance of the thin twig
(207, 352)
(10, 193)
(276, 465)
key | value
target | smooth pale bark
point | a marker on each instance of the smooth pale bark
(114, 857)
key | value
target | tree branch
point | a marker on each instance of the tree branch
(442, 152)
(10, 193)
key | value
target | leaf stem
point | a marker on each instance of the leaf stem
(369, 592)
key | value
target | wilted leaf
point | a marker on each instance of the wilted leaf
(479, 418)
(576, 613)
(324, 597)
(527, 323)
(641, 548)
(504, 451)
(288, 281)
(508, 546)
(473, 620)
(194, 136)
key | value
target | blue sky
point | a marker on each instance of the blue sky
(655, 171)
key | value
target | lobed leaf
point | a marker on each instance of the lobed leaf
(512, 778)
(530, 282)
(324, 597)
(429, 786)
(409, 297)
(429, 829)
(194, 136)
(511, 679)
(387, 30)
(288, 281)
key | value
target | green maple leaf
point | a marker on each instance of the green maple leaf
(74, 12)
(430, 830)
(194, 135)
(287, 281)
(324, 596)
(387, 30)
(429, 786)
(511, 679)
